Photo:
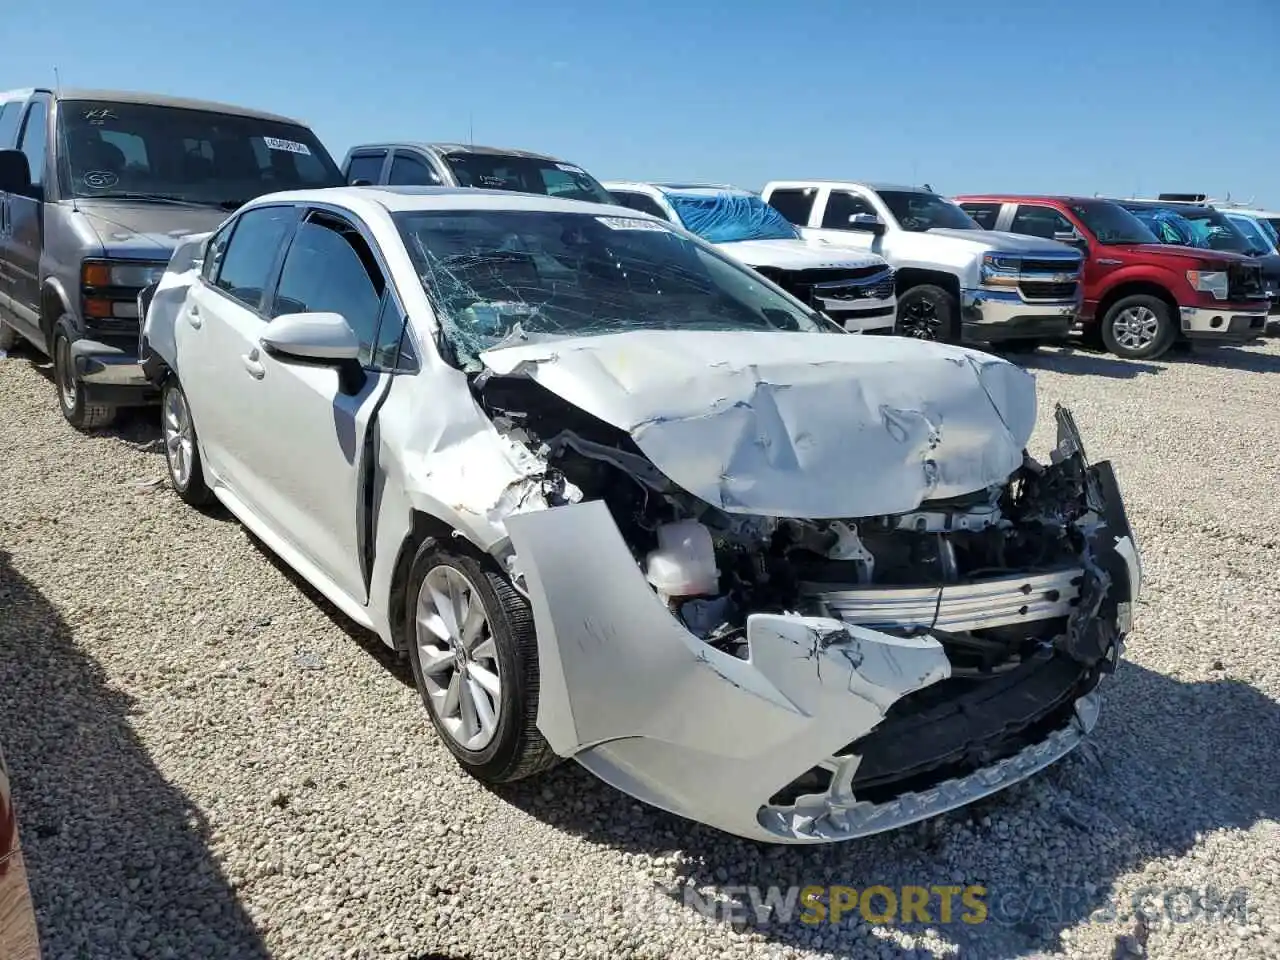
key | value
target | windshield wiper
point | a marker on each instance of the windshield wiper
(154, 197)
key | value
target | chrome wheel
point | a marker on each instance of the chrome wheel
(179, 439)
(458, 658)
(1136, 327)
(65, 373)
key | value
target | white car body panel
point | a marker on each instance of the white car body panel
(802, 425)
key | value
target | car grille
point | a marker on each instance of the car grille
(1244, 281)
(876, 283)
(1047, 289)
(1032, 265)
(830, 274)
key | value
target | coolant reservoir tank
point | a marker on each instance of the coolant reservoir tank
(684, 565)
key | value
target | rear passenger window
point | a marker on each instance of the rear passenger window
(639, 201)
(407, 170)
(794, 204)
(10, 114)
(330, 269)
(986, 214)
(365, 166)
(250, 255)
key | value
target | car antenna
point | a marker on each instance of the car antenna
(65, 151)
(471, 130)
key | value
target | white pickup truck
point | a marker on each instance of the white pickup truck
(955, 281)
(856, 289)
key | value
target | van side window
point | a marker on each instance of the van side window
(10, 114)
(34, 136)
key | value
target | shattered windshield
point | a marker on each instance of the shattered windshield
(725, 217)
(1260, 241)
(917, 211)
(498, 276)
(492, 171)
(1111, 223)
(142, 151)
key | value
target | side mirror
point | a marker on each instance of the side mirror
(1072, 238)
(15, 172)
(360, 182)
(867, 223)
(321, 339)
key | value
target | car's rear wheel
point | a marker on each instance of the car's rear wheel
(1140, 327)
(475, 663)
(928, 312)
(75, 406)
(181, 447)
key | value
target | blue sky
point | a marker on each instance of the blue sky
(1082, 96)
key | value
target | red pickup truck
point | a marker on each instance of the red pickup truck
(1140, 296)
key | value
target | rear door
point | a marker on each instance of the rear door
(986, 213)
(24, 225)
(216, 337)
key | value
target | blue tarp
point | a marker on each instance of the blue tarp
(728, 217)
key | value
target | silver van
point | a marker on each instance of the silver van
(96, 190)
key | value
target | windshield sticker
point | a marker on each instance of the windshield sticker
(489, 180)
(100, 179)
(570, 168)
(98, 117)
(627, 223)
(290, 146)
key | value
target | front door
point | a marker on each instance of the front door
(832, 219)
(25, 221)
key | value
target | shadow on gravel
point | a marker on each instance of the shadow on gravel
(119, 861)
(1169, 761)
(1235, 358)
(1081, 362)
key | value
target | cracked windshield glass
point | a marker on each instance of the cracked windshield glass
(509, 276)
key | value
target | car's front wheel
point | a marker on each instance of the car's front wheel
(181, 447)
(75, 406)
(1140, 327)
(475, 663)
(928, 312)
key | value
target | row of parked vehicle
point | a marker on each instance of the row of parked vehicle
(98, 188)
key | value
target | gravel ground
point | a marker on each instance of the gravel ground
(209, 763)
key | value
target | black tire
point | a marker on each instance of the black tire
(71, 394)
(928, 312)
(1150, 327)
(182, 448)
(517, 749)
(8, 336)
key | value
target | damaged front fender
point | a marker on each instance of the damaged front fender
(653, 710)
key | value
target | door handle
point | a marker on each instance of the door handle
(193, 317)
(250, 361)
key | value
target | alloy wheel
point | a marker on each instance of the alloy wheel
(65, 373)
(179, 442)
(1136, 327)
(458, 657)
(920, 320)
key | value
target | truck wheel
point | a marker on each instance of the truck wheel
(1139, 327)
(475, 664)
(928, 312)
(71, 394)
(181, 446)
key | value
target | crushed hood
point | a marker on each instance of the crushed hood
(797, 255)
(796, 424)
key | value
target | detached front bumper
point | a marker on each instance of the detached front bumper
(994, 316)
(111, 375)
(1230, 323)
(653, 710)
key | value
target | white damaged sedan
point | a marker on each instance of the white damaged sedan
(619, 499)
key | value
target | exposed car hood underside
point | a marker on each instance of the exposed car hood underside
(796, 424)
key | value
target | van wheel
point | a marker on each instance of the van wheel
(1139, 327)
(71, 394)
(475, 664)
(928, 312)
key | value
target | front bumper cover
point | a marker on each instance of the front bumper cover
(993, 316)
(110, 374)
(656, 712)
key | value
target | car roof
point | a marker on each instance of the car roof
(446, 148)
(152, 99)
(1041, 197)
(876, 185)
(401, 199)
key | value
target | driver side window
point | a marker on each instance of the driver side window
(1042, 222)
(841, 206)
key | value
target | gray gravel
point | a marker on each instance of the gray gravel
(209, 762)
